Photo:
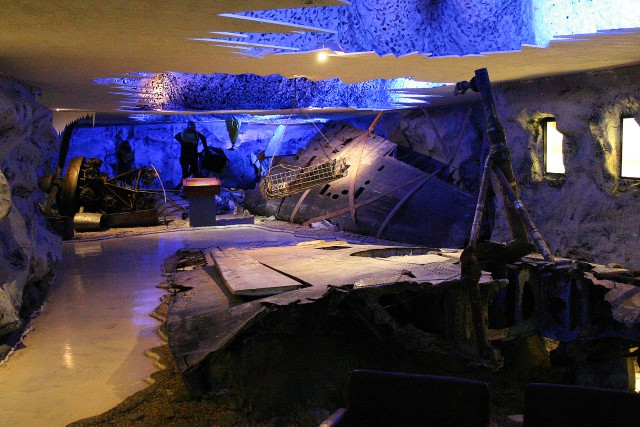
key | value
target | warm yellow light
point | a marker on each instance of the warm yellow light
(323, 56)
(553, 149)
(630, 167)
(67, 356)
(636, 369)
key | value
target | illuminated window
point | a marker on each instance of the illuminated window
(630, 164)
(553, 160)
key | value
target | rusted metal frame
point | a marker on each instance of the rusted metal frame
(57, 183)
(118, 177)
(298, 204)
(292, 182)
(627, 277)
(354, 175)
(534, 233)
(502, 157)
(482, 197)
(356, 167)
(146, 191)
(134, 200)
(69, 187)
(342, 211)
(115, 193)
(516, 226)
(470, 273)
(161, 208)
(363, 203)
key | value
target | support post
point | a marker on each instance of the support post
(516, 203)
(498, 161)
(482, 198)
(470, 273)
(502, 157)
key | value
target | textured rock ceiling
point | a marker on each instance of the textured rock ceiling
(61, 47)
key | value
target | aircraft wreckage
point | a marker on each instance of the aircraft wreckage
(284, 325)
(363, 183)
(293, 321)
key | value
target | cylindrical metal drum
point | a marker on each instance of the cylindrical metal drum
(87, 221)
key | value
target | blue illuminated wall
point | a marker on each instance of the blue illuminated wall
(154, 143)
(397, 27)
(448, 27)
(197, 92)
(427, 134)
(590, 214)
(562, 17)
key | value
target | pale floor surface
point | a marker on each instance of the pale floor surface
(86, 351)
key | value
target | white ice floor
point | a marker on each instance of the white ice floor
(86, 351)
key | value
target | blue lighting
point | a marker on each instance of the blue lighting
(178, 92)
(398, 27)
(563, 17)
(450, 27)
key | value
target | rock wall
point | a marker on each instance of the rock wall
(200, 92)
(590, 213)
(155, 144)
(446, 27)
(28, 248)
(451, 135)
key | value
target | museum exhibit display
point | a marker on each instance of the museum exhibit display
(319, 212)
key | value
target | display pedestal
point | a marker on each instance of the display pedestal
(201, 195)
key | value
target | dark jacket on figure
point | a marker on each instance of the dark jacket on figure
(188, 140)
(125, 157)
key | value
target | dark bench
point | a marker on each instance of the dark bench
(377, 398)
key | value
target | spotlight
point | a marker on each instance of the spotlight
(329, 49)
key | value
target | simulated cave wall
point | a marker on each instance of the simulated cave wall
(444, 27)
(155, 144)
(201, 92)
(590, 212)
(28, 248)
(450, 27)
(450, 135)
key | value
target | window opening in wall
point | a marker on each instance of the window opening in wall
(630, 163)
(553, 159)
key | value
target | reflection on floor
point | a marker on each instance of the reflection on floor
(86, 351)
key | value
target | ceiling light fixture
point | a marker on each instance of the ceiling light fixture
(323, 55)
(329, 49)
